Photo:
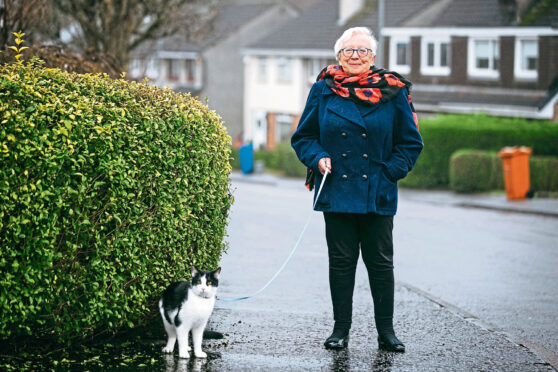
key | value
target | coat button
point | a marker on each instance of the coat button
(344, 177)
(344, 135)
(365, 156)
(363, 135)
(344, 156)
(364, 177)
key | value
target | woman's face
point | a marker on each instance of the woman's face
(356, 65)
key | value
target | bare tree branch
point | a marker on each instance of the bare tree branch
(116, 27)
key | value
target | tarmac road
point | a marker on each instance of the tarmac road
(472, 285)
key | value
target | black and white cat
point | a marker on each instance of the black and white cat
(186, 307)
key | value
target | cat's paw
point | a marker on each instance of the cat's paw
(184, 355)
(168, 350)
(201, 354)
(188, 348)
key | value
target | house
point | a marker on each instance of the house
(212, 68)
(494, 56)
(462, 56)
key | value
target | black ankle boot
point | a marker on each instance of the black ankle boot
(390, 342)
(339, 339)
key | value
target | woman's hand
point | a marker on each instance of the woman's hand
(323, 164)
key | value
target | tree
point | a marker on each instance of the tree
(29, 16)
(115, 27)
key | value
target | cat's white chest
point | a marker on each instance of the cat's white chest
(196, 309)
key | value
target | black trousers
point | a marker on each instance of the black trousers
(347, 235)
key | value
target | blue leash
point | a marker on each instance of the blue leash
(233, 299)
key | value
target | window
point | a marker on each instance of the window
(400, 55)
(284, 69)
(152, 69)
(173, 72)
(135, 69)
(284, 125)
(190, 71)
(262, 69)
(435, 56)
(484, 58)
(526, 58)
(313, 67)
(444, 54)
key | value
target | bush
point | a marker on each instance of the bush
(235, 158)
(544, 173)
(447, 133)
(471, 171)
(283, 159)
(109, 190)
(288, 161)
(477, 171)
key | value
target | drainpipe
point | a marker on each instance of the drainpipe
(380, 52)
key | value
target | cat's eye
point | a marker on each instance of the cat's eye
(198, 282)
(208, 283)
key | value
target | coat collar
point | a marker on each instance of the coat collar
(347, 109)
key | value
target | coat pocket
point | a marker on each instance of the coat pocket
(386, 197)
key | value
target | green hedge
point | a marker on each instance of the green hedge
(544, 173)
(476, 171)
(109, 190)
(448, 133)
(283, 159)
(471, 171)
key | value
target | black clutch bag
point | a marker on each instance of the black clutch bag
(310, 179)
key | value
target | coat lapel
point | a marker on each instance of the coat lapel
(366, 110)
(346, 109)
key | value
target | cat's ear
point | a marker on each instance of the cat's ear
(216, 273)
(194, 271)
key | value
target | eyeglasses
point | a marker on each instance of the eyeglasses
(348, 52)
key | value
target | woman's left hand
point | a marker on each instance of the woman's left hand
(323, 164)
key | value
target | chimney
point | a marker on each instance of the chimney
(347, 9)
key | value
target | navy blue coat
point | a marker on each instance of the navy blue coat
(371, 148)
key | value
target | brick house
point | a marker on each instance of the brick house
(462, 56)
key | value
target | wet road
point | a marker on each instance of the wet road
(500, 267)
(497, 269)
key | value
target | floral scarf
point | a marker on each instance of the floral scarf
(374, 86)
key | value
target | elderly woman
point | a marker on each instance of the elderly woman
(359, 125)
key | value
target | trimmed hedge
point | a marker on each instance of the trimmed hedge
(282, 159)
(445, 134)
(476, 171)
(109, 190)
(471, 171)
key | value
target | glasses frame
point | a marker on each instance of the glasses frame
(353, 50)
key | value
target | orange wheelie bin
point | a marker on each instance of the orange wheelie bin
(515, 164)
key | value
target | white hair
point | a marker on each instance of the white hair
(349, 33)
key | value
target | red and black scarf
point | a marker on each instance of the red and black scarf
(370, 88)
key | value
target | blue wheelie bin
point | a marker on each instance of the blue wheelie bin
(246, 155)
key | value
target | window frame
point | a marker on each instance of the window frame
(472, 69)
(393, 42)
(262, 68)
(286, 63)
(437, 69)
(519, 72)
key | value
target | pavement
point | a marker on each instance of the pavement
(283, 328)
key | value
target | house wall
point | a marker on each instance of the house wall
(268, 96)
(459, 53)
(548, 61)
(224, 68)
